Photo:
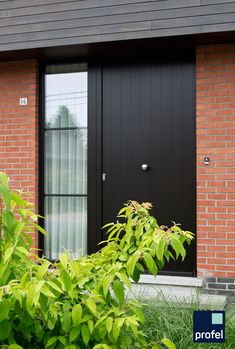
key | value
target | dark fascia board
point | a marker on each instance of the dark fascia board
(119, 49)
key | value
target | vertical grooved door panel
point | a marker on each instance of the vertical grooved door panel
(149, 118)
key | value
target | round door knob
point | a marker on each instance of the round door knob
(145, 167)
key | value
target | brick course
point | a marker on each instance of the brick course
(19, 125)
(215, 119)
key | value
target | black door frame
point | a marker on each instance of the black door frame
(94, 156)
(41, 147)
(95, 233)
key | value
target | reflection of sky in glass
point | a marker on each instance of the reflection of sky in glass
(67, 90)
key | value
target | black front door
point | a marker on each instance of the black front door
(148, 117)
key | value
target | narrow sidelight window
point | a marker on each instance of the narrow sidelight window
(65, 159)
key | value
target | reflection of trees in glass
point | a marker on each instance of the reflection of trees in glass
(66, 154)
(63, 118)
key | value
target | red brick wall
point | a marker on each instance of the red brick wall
(19, 125)
(215, 74)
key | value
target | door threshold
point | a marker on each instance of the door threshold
(171, 280)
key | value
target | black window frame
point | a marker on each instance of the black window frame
(94, 171)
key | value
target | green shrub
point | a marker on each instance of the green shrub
(17, 220)
(78, 304)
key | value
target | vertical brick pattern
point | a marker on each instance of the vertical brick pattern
(215, 79)
(19, 125)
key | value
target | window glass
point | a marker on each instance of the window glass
(65, 159)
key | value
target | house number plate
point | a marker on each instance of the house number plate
(23, 101)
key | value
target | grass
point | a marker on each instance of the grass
(174, 320)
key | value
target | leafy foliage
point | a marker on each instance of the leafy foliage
(78, 304)
(17, 220)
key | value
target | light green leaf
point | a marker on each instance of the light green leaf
(66, 280)
(106, 284)
(74, 334)
(51, 341)
(101, 319)
(156, 346)
(54, 286)
(124, 278)
(139, 314)
(91, 305)
(27, 237)
(30, 297)
(6, 195)
(9, 221)
(24, 279)
(120, 322)
(19, 230)
(168, 343)
(118, 290)
(150, 263)
(124, 209)
(8, 254)
(160, 249)
(62, 339)
(116, 330)
(139, 232)
(43, 231)
(15, 346)
(77, 314)
(107, 225)
(132, 320)
(43, 269)
(64, 258)
(109, 324)
(90, 326)
(45, 290)
(134, 329)
(4, 179)
(66, 321)
(18, 200)
(113, 232)
(39, 286)
(23, 250)
(130, 266)
(85, 334)
(18, 295)
(177, 246)
(3, 268)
